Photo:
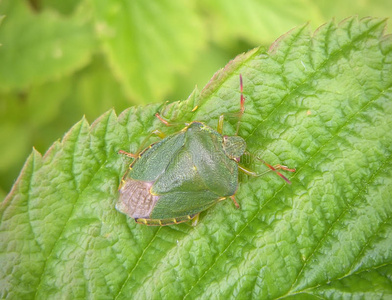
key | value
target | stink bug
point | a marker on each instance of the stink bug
(173, 180)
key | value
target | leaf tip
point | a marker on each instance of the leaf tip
(276, 44)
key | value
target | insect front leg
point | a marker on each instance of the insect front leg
(164, 121)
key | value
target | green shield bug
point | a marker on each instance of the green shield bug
(176, 178)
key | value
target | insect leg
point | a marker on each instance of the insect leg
(127, 153)
(195, 219)
(271, 168)
(166, 122)
(235, 202)
(160, 118)
(220, 124)
(156, 132)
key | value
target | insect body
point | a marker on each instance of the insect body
(175, 179)
(180, 176)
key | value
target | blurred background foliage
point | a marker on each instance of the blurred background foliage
(60, 60)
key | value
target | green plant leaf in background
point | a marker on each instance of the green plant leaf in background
(46, 46)
(278, 16)
(167, 39)
(321, 103)
(34, 77)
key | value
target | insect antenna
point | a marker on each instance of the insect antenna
(242, 109)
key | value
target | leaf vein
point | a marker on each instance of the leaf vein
(360, 192)
(66, 223)
(137, 262)
(328, 59)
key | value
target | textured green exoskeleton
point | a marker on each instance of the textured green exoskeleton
(175, 179)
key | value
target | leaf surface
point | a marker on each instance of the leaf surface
(320, 103)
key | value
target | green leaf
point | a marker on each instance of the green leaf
(47, 45)
(340, 9)
(258, 22)
(321, 103)
(147, 42)
(65, 7)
